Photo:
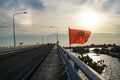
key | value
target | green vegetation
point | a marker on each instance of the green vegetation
(97, 66)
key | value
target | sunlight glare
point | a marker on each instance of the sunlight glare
(90, 19)
(26, 19)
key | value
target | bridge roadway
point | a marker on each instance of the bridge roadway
(40, 63)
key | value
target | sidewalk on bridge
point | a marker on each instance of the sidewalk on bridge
(51, 68)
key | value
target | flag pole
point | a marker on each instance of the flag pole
(69, 39)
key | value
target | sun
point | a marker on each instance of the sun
(90, 19)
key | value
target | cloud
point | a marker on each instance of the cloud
(109, 4)
(41, 14)
(21, 4)
(35, 4)
(59, 13)
(4, 26)
(117, 26)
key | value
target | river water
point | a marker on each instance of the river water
(112, 72)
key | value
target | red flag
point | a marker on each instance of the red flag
(78, 36)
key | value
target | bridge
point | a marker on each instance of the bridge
(43, 62)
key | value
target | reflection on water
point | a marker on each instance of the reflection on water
(94, 56)
(113, 67)
(113, 70)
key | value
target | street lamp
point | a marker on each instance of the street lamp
(56, 34)
(42, 39)
(14, 26)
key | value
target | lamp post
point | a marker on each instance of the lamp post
(56, 31)
(45, 34)
(14, 26)
(42, 39)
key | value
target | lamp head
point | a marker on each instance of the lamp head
(25, 12)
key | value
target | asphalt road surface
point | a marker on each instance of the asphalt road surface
(15, 66)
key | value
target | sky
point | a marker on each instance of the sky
(101, 17)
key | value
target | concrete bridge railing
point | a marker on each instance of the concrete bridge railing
(17, 48)
(72, 65)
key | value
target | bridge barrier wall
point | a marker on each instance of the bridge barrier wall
(18, 48)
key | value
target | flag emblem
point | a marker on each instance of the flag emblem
(78, 36)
